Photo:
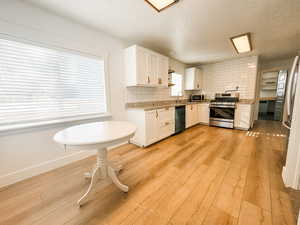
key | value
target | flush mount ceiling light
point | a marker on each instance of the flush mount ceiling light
(160, 5)
(242, 43)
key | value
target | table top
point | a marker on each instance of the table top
(95, 133)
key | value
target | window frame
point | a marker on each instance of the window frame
(62, 120)
(182, 85)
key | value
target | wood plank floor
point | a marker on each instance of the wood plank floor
(203, 176)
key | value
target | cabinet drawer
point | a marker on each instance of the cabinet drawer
(166, 114)
(167, 128)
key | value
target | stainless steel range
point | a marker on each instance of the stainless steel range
(222, 109)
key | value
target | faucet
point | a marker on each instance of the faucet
(236, 89)
(177, 98)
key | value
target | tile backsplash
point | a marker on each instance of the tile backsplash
(227, 75)
(143, 94)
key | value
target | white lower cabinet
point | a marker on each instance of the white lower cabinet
(203, 113)
(243, 116)
(152, 126)
(191, 115)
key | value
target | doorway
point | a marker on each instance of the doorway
(272, 95)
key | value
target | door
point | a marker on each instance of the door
(190, 78)
(142, 67)
(203, 113)
(163, 68)
(290, 95)
(291, 172)
(151, 127)
(195, 112)
(222, 113)
(279, 103)
(152, 69)
(188, 116)
(198, 79)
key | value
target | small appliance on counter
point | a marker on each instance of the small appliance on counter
(197, 98)
(222, 109)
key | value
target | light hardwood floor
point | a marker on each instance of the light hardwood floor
(203, 176)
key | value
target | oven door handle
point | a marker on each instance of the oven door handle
(222, 106)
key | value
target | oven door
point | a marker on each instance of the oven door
(222, 116)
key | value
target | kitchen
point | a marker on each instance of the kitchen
(149, 112)
(159, 116)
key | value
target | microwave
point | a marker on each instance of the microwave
(197, 98)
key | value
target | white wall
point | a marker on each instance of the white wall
(226, 75)
(142, 94)
(279, 64)
(32, 151)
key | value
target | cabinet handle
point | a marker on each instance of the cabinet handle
(148, 79)
(159, 80)
(167, 123)
(198, 85)
(156, 114)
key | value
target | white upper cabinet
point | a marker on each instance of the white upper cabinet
(163, 69)
(193, 79)
(144, 67)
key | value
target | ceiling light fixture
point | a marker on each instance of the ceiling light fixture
(160, 5)
(242, 43)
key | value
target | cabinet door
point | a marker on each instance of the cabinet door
(152, 69)
(203, 113)
(163, 68)
(195, 114)
(189, 78)
(199, 79)
(189, 116)
(167, 122)
(242, 118)
(151, 127)
(142, 58)
(193, 78)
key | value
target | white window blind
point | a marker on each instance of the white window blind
(41, 84)
(177, 80)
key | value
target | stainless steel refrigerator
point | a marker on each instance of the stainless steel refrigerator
(280, 95)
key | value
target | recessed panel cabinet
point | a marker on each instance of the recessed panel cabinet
(191, 115)
(203, 112)
(193, 79)
(152, 126)
(243, 118)
(144, 67)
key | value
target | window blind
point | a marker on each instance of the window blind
(38, 84)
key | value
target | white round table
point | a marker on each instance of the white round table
(99, 135)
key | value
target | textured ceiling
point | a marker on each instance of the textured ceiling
(192, 31)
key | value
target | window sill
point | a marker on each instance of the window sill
(41, 124)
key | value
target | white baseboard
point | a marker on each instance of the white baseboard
(284, 178)
(35, 170)
(42, 168)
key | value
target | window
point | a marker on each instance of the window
(177, 80)
(41, 84)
